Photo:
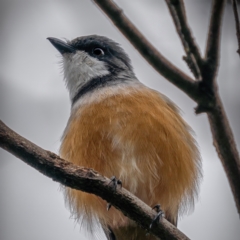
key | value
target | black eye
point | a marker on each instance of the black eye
(98, 52)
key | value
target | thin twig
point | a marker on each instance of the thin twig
(193, 59)
(235, 11)
(213, 42)
(86, 180)
(147, 50)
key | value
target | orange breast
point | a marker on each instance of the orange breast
(140, 138)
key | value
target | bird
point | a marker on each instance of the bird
(120, 127)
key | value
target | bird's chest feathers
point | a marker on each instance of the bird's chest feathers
(92, 137)
(103, 135)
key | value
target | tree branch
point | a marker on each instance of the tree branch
(223, 141)
(86, 180)
(193, 59)
(147, 50)
(235, 11)
(213, 42)
(210, 103)
(208, 86)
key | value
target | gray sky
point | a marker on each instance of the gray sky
(34, 102)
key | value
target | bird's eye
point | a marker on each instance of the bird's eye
(98, 52)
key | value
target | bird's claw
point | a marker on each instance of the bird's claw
(114, 182)
(159, 215)
(108, 206)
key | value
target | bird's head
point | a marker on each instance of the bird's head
(91, 62)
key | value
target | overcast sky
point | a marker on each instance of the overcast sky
(35, 103)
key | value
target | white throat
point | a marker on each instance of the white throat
(79, 68)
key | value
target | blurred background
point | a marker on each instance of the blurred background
(35, 103)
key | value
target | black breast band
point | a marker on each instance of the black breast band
(92, 85)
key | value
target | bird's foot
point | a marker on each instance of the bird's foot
(114, 182)
(159, 215)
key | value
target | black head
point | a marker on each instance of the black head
(92, 62)
(99, 47)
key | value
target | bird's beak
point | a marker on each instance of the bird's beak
(61, 46)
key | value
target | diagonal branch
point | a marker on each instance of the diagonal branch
(147, 50)
(226, 148)
(213, 42)
(193, 59)
(235, 11)
(87, 180)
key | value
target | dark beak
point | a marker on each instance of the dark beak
(61, 46)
